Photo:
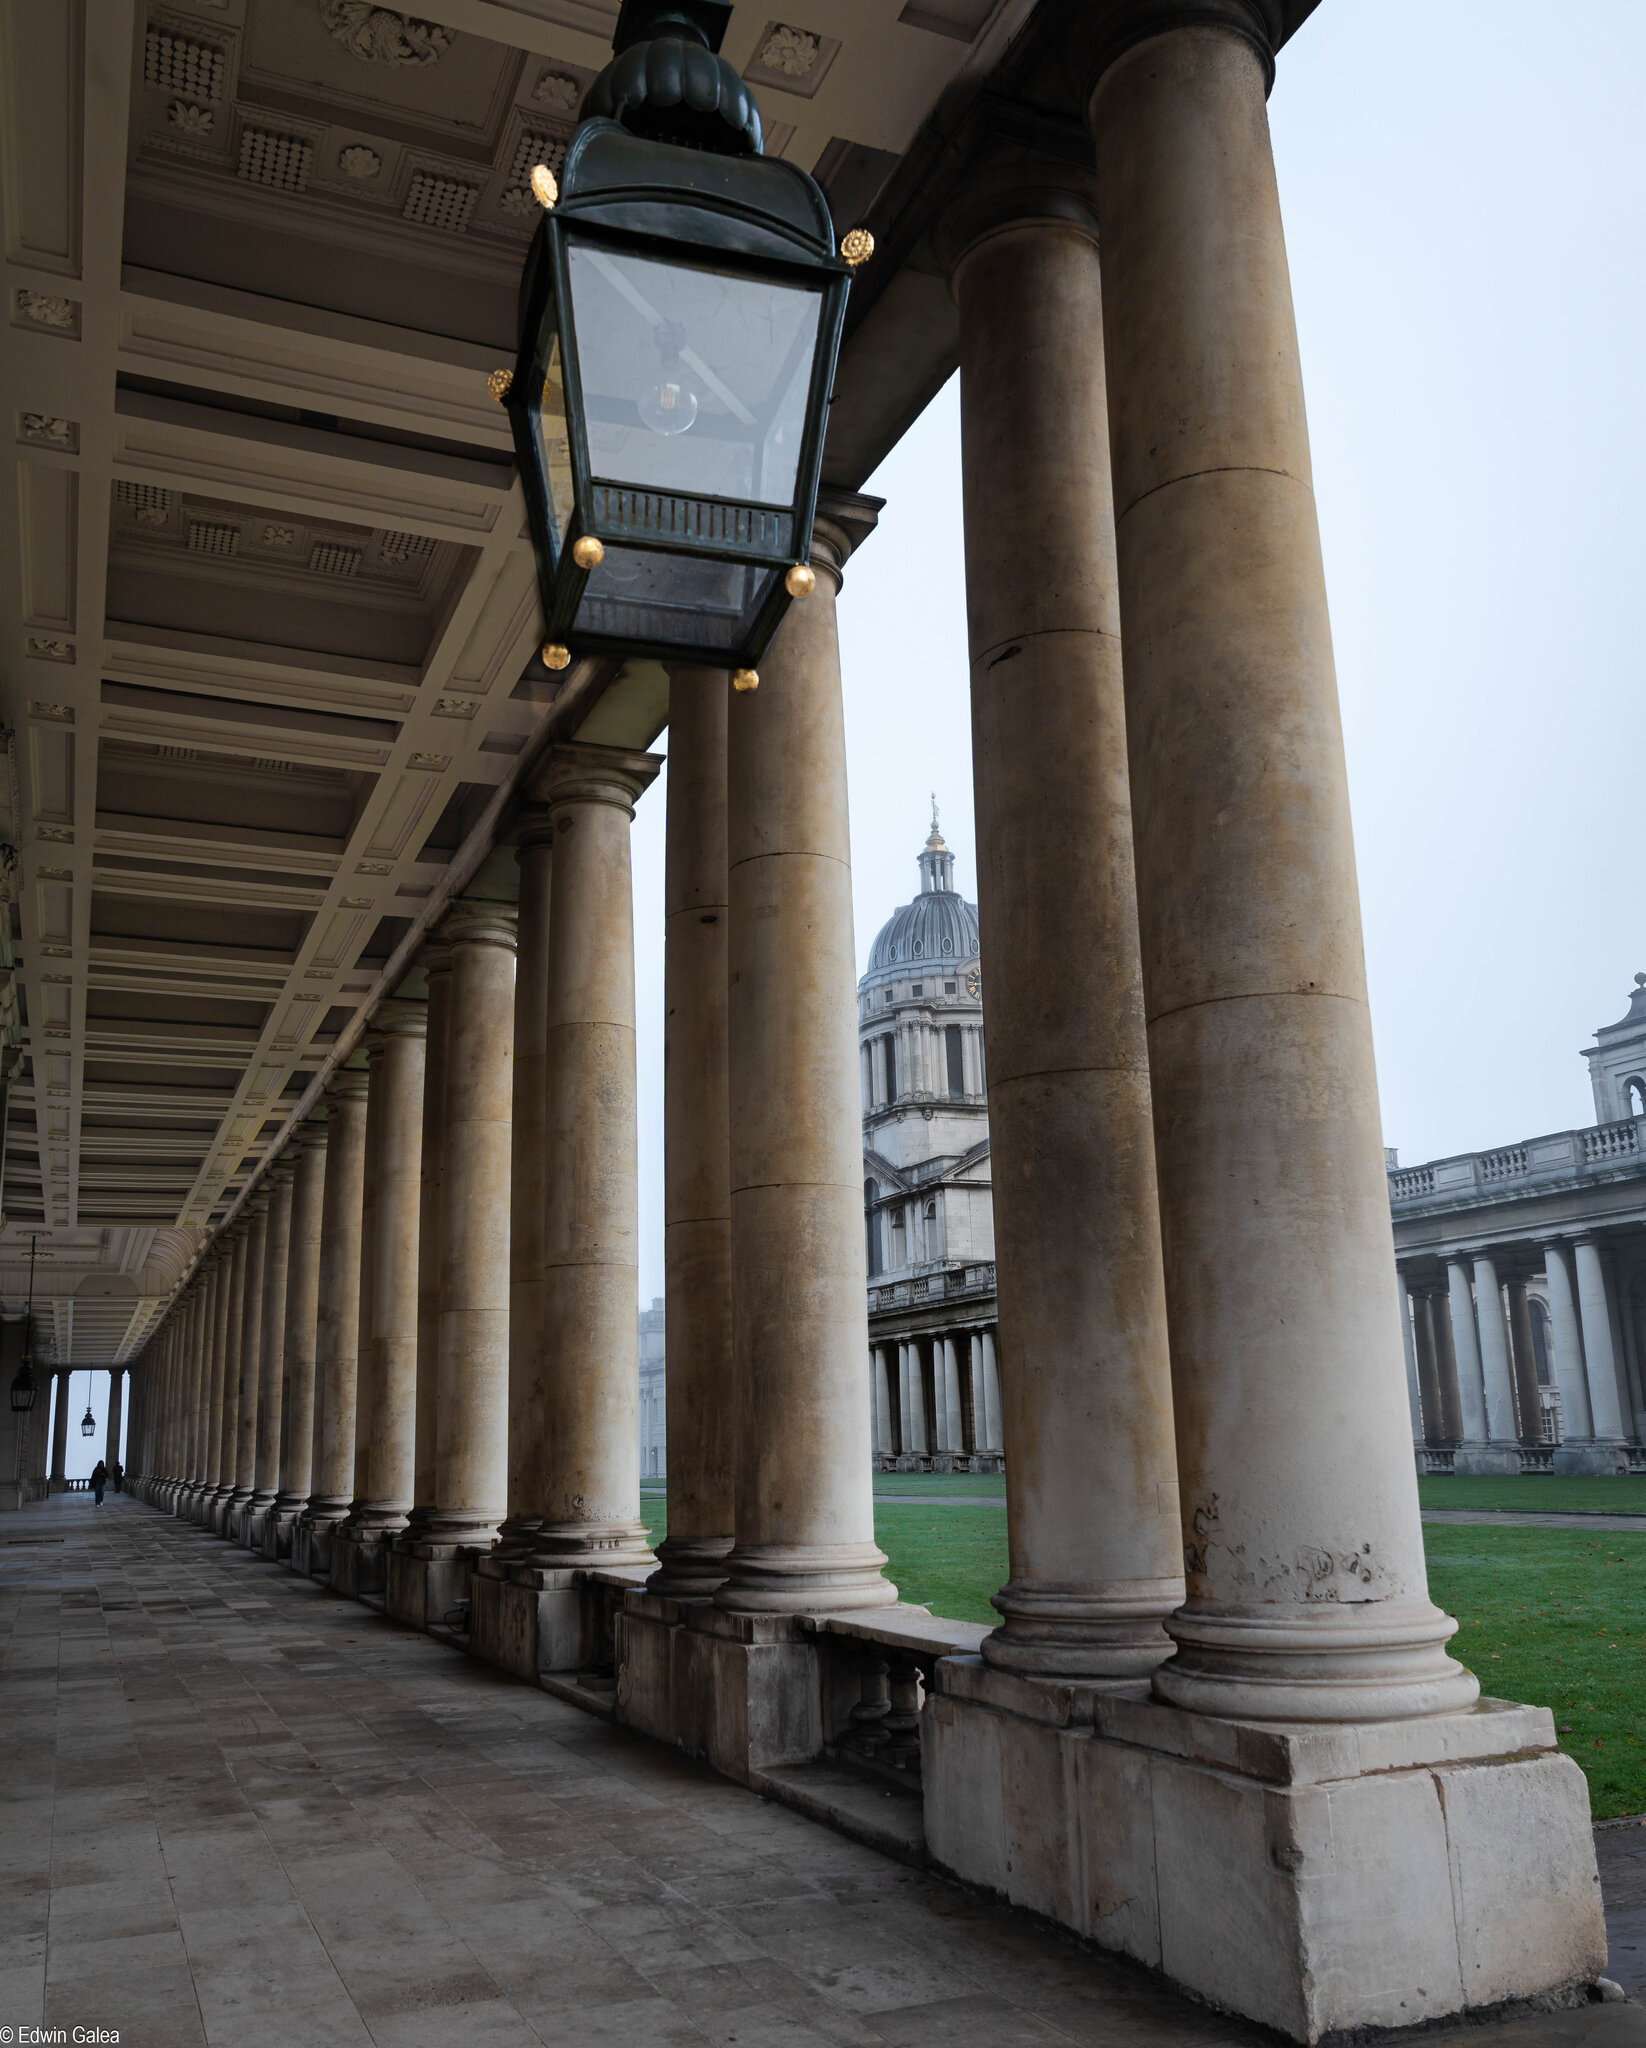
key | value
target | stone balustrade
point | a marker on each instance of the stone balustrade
(1597, 1152)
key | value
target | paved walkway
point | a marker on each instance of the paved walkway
(1537, 1518)
(237, 1810)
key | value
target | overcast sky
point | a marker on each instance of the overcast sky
(1466, 217)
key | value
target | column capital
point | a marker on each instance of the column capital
(1018, 187)
(480, 924)
(346, 1084)
(397, 1017)
(1107, 33)
(311, 1134)
(434, 957)
(844, 521)
(580, 774)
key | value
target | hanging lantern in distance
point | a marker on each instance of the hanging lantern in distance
(680, 315)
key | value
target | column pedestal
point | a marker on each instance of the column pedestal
(424, 1582)
(528, 1620)
(1311, 1878)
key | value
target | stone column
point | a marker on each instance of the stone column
(215, 1337)
(1092, 1522)
(60, 1435)
(591, 1486)
(1451, 1403)
(1427, 1379)
(1307, 1594)
(228, 1371)
(1407, 1303)
(804, 1536)
(1524, 1357)
(1605, 1403)
(111, 1434)
(701, 1421)
(386, 1409)
(993, 1403)
(954, 1414)
(251, 1360)
(883, 1442)
(1466, 1349)
(272, 1364)
(529, 1169)
(301, 1321)
(436, 961)
(1576, 1418)
(471, 1478)
(1494, 1353)
(337, 1318)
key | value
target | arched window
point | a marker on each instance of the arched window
(933, 1247)
(900, 1239)
(1634, 1090)
(871, 1225)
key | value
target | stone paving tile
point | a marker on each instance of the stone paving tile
(238, 1810)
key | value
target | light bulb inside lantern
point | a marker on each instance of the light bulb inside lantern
(670, 406)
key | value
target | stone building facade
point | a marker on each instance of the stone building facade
(1523, 1286)
(928, 1202)
(654, 1456)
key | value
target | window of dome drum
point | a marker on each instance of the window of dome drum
(680, 314)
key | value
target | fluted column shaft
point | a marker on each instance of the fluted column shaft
(337, 1318)
(386, 1415)
(301, 1322)
(1091, 1485)
(472, 1421)
(804, 1536)
(591, 1502)
(1471, 1379)
(271, 1367)
(697, 1167)
(1307, 1593)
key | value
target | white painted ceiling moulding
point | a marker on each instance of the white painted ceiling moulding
(42, 112)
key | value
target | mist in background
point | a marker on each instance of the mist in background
(1466, 219)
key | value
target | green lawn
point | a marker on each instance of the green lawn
(1553, 1616)
(1596, 1496)
(940, 1482)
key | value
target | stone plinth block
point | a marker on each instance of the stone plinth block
(311, 1547)
(1486, 1461)
(741, 1691)
(277, 1528)
(425, 1585)
(1315, 1878)
(357, 1561)
(1591, 1461)
(527, 1619)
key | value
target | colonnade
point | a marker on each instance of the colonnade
(1471, 1365)
(936, 1398)
(1211, 1504)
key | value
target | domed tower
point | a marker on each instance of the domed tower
(928, 1208)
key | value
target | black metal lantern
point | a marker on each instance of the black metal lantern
(680, 315)
(88, 1424)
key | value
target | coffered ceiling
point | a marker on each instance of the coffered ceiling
(268, 625)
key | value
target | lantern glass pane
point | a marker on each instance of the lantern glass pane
(683, 600)
(694, 380)
(548, 417)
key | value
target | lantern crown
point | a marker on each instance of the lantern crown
(669, 83)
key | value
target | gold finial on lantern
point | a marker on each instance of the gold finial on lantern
(497, 384)
(745, 679)
(545, 190)
(556, 656)
(587, 552)
(800, 582)
(856, 247)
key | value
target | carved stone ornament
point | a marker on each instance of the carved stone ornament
(790, 50)
(359, 162)
(279, 536)
(455, 707)
(517, 202)
(48, 431)
(60, 714)
(383, 35)
(436, 761)
(191, 120)
(59, 834)
(374, 867)
(557, 92)
(43, 648)
(45, 310)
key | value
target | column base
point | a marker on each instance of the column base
(277, 1529)
(690, 1568)
(780, 1578)
(1591, 1461)
(526, 1620)
(1486, 1461)
(1314, 1878)
(233, 1524)
(258, 1510)
(1115, 1637)
(591, 1546)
